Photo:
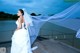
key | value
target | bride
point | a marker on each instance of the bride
(20, 39)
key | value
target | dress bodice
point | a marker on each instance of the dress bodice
(17, 23)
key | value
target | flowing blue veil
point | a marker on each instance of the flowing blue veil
(37, 21)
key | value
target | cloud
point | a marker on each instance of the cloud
(28, 3)
(24, 1)
(18, 2)
(37, 6)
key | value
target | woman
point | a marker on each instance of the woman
(20, 38)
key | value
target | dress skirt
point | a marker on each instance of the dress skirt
(21, 42)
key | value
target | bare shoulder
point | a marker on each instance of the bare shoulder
(20, 20)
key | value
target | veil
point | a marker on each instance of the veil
(27, 18)
(78, 34)
(34, 25)
(37, 21)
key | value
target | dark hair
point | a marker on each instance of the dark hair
(21, 11)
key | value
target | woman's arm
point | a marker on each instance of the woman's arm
(19, 25)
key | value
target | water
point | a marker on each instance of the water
(6, 30)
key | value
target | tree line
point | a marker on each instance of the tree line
(7, 16)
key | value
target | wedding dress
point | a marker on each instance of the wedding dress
(21, 41)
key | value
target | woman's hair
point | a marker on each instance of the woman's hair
(21, 11)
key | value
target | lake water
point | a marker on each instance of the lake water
(6, 30)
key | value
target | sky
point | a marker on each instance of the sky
(44, 7)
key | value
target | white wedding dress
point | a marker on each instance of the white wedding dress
(21, 41)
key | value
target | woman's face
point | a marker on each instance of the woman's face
(19, 13)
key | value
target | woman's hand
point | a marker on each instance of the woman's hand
(17, 29)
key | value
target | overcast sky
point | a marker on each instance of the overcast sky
(36, 6)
